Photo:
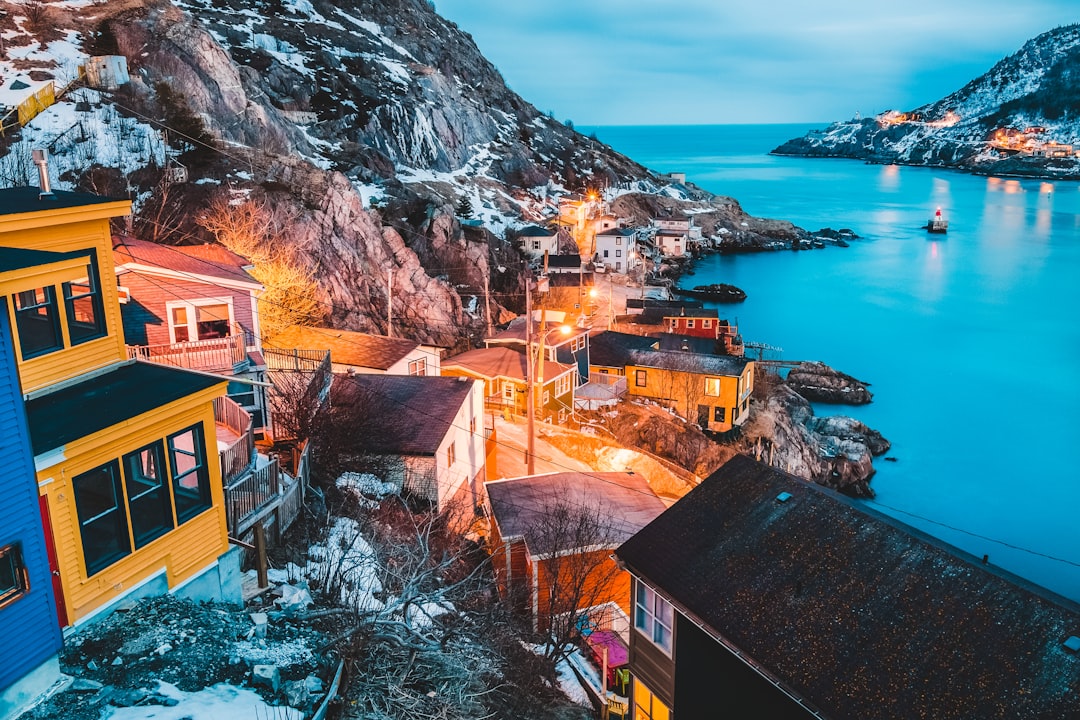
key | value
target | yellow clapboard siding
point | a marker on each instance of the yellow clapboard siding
(183, 552)
(56, 231)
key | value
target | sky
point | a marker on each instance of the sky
(650, 62)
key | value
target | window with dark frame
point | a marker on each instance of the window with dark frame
(639, 378)
(82, 300)
(653, 617)
(99, 503)
(190, 476)
(37, 322)
(718, 415)
(14, 580)
(148, 493)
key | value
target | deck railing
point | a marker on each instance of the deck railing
(238, 456)
(212, 355)
(616, 384)
(249, 493)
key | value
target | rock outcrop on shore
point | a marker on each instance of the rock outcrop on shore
(836, 452)
(817, 382)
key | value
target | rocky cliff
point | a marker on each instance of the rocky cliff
(1011, 120)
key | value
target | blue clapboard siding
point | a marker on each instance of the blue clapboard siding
(29, 630)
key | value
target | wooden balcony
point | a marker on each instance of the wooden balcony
(219, 355)
(236, 438)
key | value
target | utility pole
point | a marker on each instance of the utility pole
(389, 303)
(530, 465)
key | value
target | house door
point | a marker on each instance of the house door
(54, 566)
(703, 415)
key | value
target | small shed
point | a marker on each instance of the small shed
(106, 72)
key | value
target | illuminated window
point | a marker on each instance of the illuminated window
(191, 477)
(14, 581)
(712, 386)
(646, 704)
(653, 617)
(36, 319)
(201, 320)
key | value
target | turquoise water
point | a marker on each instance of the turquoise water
(969, 340)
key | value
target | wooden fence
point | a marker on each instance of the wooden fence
(238, 456)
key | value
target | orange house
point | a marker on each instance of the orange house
(552, 538)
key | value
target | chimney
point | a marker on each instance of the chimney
(41, 160)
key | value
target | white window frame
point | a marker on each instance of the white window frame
(190, 306)
(712, 383)
(653, 616)
(418, 367)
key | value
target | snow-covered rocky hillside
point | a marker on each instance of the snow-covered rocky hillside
(1021, 117)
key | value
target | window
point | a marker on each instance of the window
(191, 477)
(712, 386)
(718, 415)
(451, 453)
(85, 318)
(148, 493)
(36, 319)
(547, 397)
(562, 385)
(653, 617)
(203, 321)
(14, 581)
(706, 323)
(618, 241)
(605, 252)
(99, 501)
(508, 391)
(578, 343)
(734, 413)
(472, 426)
(646, 704)
(618, 253)
(418, 367)
(639, 378)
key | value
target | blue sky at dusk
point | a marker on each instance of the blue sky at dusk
(638, 62)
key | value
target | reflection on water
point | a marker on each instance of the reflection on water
(968, 339)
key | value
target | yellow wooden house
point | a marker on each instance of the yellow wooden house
(711, 390)
(125, 451)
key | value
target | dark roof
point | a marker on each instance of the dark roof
(564, 261)
(648, 302)
(856, 612)
(18, 200)
(536, 231)
(612, 349)
(202, 260)
(727, 365)
(105, 400)
(514, 332)
(621, 232)
(687, 343)
(346, 347)
(421, 410)
(623, 499)
(20, 258)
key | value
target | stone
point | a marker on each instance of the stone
(297, 694)
(81, 684)
(266, 676)
(261, 620)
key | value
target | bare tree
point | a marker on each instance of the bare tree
(576, 575)
(248, 228)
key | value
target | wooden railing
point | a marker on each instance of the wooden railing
(296, 360)
(616, 384)
(238, 456)
(249, 493)
(213, 355)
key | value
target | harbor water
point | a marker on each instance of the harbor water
(970, 339)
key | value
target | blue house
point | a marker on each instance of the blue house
(28, 612)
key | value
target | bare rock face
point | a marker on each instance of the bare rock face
(836, 452)
(817, 382)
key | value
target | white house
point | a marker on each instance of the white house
(670, 243)
(357, 352)
(617, 249)
(535, 240)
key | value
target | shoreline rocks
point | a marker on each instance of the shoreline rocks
(817, 382)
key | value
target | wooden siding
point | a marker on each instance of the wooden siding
(685, 391)
(146, 320)
(648, 662)
(29, 622)
(85, 234)
(604, 583)
(182, 553)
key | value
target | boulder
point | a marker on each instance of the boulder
(817, 382)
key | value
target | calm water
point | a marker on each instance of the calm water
(970, 340)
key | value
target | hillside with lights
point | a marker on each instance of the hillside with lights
(1020, 118)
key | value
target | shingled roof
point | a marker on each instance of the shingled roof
(854, 611)
(502, 362)
(727, 365)
(347, 347)
(520, 504)
(196, 261)
(612, 349)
